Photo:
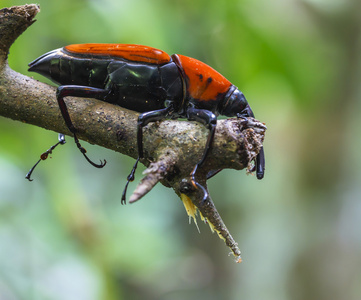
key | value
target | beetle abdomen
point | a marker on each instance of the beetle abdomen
(64, 69)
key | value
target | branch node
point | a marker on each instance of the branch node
(13, 22)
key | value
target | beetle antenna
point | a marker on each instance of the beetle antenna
(45, 155)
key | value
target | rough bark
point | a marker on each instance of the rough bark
(172, 148)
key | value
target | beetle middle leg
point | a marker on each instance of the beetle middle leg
(210, 120)
(143, 120)
(78, 91)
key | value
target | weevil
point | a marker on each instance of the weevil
(146, 80)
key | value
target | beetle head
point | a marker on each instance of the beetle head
(235, 104)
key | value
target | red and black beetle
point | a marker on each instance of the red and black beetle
(146, 80)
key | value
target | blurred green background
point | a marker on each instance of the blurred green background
(66, 235)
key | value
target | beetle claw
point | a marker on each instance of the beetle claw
(99, 166)
(201, 188)
(27, 176)
(192, 174)
(124, 195)
(192, 187)
(83, 151)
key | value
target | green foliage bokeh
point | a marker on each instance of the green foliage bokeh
(66, 235)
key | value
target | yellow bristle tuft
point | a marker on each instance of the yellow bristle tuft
(191, 209)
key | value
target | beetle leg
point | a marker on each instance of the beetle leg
(45, 155)
(210, 120)
(143, 120)
(78, 91)
(260, 159)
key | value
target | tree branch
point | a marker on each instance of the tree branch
(172, 148)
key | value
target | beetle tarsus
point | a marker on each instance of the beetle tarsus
(83, 151)
(194, 190)
(44, 155)
(192, 174)
(129, 179)
(99, 166)
(199, 187)
(124, 195)
(27, 176)
(205, 193)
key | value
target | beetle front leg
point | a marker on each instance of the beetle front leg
(78, 91)
(143, 120)
(210, 120)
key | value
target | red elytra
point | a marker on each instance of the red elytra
(130, 52)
